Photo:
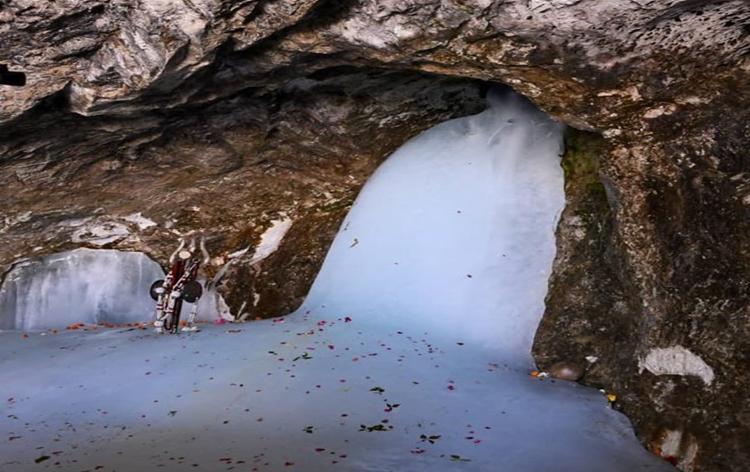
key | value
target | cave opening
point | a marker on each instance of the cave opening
(429, 381)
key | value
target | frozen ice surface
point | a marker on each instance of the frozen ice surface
(80, 286)
(295, 396)
(415, 368)
(454, 233)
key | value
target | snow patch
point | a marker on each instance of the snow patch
(680, 446)
(239, 253)
(670, 445)
(100, 234)
(211, 305)
(140, 220)
(271, 239)
(676, 360)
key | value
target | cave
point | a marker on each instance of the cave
(140, 125)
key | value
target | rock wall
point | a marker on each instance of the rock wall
(145, 121)
(652, 282)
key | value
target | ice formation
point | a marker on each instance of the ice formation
(455, 232)
(411, 352)
(80, 286)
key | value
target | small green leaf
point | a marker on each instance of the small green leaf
(41, 459)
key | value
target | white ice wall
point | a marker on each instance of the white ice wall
(455, 232)
(80, 286)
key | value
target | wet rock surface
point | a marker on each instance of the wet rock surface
(144, 122)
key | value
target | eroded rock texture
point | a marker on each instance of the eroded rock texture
(144, 121)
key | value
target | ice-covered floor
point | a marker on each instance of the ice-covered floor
(273, 396)
(411, 352)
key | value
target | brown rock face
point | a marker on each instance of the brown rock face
(145, 121)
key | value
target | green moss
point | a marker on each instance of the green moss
(580, 162)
